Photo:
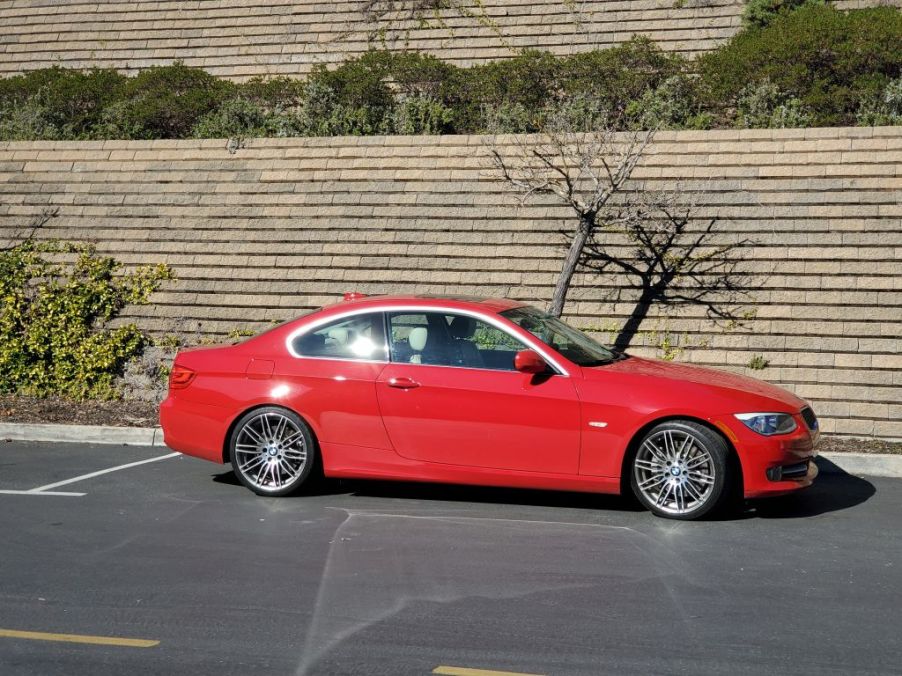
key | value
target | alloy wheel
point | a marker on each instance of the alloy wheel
(270, 452)
(675, 472)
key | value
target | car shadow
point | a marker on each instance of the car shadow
(493, 495)
(834, 490)
(228, 477)
(404, 490)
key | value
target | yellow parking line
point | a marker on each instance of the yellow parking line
(78, 638)
(465, 671)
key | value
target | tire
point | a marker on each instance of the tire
(272, 451)
(681, 470)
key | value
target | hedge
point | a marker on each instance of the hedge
(797, 63)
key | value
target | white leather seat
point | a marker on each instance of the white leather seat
(417, 342)
(339, 336)
(341, 342)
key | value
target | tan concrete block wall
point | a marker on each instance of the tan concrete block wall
(243, 38)
(285, 225)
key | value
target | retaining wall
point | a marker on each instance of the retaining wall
(243, 38)
(284, 225)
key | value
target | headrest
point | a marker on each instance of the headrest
(417, 338)
(340, 335)
(462, 327)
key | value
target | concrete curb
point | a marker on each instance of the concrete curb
(870, 464)
(84, 434)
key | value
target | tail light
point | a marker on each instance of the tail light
(180, 377)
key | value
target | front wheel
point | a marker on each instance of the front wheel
(272, 451)
(680, 470)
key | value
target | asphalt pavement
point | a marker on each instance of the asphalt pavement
(167, 565)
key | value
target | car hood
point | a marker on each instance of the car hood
(684, 373)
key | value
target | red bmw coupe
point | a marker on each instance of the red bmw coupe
(481, 391)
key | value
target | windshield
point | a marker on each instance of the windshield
(575, 345)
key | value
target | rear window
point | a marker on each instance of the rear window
(359, 337)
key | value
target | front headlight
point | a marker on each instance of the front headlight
(768, 423)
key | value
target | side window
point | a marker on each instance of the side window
(357, 337)
(444, 339)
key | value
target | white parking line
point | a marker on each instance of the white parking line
(56, 493)
(46, 490)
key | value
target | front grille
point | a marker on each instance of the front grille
(809, 418)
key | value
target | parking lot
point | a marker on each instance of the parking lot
(166, 565)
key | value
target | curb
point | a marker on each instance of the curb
(870, 464)
(85, 434)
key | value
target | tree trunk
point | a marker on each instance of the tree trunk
(637, 316)
(571, 262)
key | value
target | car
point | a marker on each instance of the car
(482, 391)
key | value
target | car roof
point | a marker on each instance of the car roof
(492, 305)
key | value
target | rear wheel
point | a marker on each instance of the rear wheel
(272, 451)
(680, 470)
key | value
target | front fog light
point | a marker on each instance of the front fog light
(768, 423)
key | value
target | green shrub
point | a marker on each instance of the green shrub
(760, 13)
(514, 95)
(512, 89)
(54, 337)
(885, 109)
(578, 113)
(325, 113)
(354, 99)
(509, 118)
(28, 121)
(163, 102)
(421, 114)
(671, 105)
(56, 103)
(416, 74)
(118, 122)
(617, 76)
(569, 114)
(763, 106)
(827, 59)
(257, 108)
(280, 93)
(240, 117)
(378, 93)
(234, 117)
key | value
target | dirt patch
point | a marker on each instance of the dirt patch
(125, 413)
(830, 444)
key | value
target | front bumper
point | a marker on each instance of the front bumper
(779, 464)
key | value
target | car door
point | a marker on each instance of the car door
(451, 395)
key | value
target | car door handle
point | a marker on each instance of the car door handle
(403, 383)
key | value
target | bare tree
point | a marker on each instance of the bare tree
(653, 238)
(583, 170)
(650, 239)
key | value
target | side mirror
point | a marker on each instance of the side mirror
(529, 361)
